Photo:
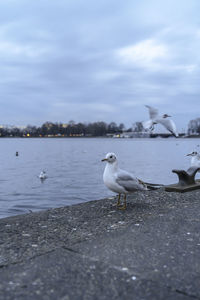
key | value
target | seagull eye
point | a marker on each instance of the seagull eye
(111, 156)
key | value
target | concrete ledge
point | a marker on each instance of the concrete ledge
(94, 251)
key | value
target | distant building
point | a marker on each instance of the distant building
(194, 127)
(130, 134)
(65, 125)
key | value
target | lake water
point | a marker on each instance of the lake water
(75, 170)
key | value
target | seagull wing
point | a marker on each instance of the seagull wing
(153, 112)
(147, 124)
(169, 125)
(129, 182)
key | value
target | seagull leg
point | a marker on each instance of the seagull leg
(118, 201)
(124, 205)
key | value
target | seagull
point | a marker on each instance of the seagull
(156, 119)
(42, 175)
(120, 181)
(195, 160)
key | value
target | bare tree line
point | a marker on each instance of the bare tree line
(60, 129)
(72, 128)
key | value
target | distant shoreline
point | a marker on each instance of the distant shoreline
(155, 136)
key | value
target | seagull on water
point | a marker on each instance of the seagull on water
(42, 175)
(120, 181)
(195, 159)
(155, 118)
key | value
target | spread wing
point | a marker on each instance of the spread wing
(169, 125)
(153, 112)
(129, 182)
(147, 124)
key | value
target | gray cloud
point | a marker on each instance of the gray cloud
(91, 61)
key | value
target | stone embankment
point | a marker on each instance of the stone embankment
(95, 251)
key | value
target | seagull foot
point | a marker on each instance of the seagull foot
(118, 201)
(122, 207)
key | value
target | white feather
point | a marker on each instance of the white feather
(147, 124)
(120, 181)
(153, 112)
(156, 119)
(169, 125)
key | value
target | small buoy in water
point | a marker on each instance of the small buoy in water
(17, 154)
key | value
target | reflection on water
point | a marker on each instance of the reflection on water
(74, 168)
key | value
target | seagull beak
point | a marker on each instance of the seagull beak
(189, 154)
(104, 159)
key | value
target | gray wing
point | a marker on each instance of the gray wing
(153, 112)
(169, 125)
(129, 182)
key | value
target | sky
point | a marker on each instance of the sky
(88, 61)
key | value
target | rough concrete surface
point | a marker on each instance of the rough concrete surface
(95, 251)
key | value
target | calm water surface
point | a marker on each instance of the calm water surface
(74, 168)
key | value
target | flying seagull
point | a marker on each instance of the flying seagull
(155, 118)
(120, 181)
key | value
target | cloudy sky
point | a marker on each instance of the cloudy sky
(87, 60)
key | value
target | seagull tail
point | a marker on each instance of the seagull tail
(150, 186)
(153, 186)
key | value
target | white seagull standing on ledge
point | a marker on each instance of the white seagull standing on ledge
(195, 160)
(120, 181)
(156, 119)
